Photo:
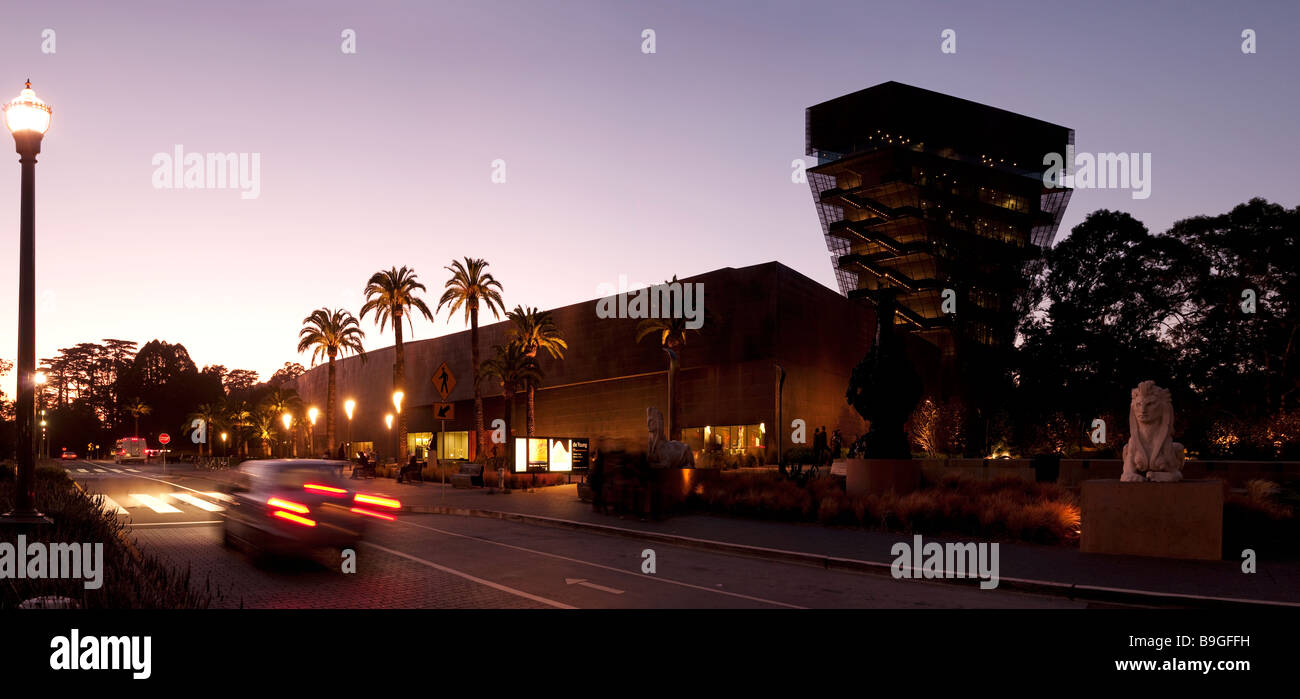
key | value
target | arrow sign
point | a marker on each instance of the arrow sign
(444, 411)
(594, 586)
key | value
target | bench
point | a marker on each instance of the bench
(411, 473)
(470, 475)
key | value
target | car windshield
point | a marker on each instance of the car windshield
(299, 475)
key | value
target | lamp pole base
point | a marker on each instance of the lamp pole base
(24, 518)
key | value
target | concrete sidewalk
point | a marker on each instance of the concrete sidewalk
(1049, 569)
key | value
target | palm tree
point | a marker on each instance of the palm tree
(264, 429)
(391, 294)
(471, 286)
(211, 415)
(516, 371)
(330, 333)
(240, 418)
(137, 408)
(280, 401)
(671, 332)
(535, 330)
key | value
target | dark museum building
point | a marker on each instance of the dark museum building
(934, 202)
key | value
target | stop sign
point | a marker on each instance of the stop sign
(164, 438)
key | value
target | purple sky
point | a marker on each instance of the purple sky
(618, 163)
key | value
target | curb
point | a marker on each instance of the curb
(1117, 595)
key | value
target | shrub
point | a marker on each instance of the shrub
(130, 580)
(1008, 507)
(1263, 519)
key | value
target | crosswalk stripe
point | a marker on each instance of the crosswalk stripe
(221, 496)
(113, 470)
(154, 503)
(131, 470)
(110, 506)
(100, 470)
(82, 470)
(197, 502)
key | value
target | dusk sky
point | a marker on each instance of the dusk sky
(617, 162)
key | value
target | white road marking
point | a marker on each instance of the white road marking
(175, 524)
(467, 576)
(197, 502)
(82, 470)
(131, 470)
(219, 496)
(637, 573)
(155, 504)
(113, 470)
(594, 586)
(110, 506)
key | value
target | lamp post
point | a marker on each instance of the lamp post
(287, 419)
(224, 450)
(28, 118)
(399, 450)
(388, 420)
(348, 407)
(312, 412)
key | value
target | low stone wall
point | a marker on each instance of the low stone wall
(1075, 471)
(977, 469)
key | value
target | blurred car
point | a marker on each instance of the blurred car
(294, 506)
(68, 455)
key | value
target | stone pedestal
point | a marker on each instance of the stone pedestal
(880, 476)
(1164, 520)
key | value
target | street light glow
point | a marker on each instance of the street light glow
(39, 379)
(397, 400)
(27, 113)
(348, 406)
(287, 419)
(388, 420)
(312, 412)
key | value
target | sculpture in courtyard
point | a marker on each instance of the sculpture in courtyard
(884, 387)
(663, 453)
(1151, 454)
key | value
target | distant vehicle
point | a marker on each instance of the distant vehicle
(293, 506)
(68, 456)
(131, 449)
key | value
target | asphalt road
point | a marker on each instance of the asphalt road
(436, 561)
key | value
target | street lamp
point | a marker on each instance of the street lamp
(312, 412)
(224, 451)
(399, 449)
(28, 118)
(388, 420)
(348, 406)
(287, 419)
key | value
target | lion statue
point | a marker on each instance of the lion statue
(1151, 455)
(663, 453)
